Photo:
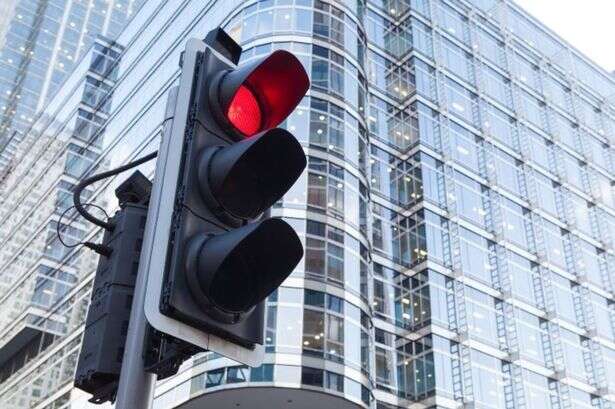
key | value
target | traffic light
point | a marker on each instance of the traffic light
(224, 257)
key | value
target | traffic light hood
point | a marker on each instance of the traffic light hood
(248, 177)
(260, 95)
(235, 271)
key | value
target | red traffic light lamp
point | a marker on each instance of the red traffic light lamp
(260, 95)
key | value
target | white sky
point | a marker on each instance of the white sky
(589, 25)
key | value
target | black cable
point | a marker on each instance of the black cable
(70, 246)
(93, 179)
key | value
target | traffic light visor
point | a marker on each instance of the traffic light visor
(260, 95)
(248, 177)
(239, 269)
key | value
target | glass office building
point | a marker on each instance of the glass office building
(457, 212)
(39, 271)
(40, 42)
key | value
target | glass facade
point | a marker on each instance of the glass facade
(40, 271)
(457, 211)
(40, 43)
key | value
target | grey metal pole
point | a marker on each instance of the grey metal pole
(136, 387)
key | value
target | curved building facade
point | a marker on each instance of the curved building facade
(457, 210)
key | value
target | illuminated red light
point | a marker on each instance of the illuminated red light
(244, 112)
(260, 95)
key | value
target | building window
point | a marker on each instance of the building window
(326, 187)
(531, 336)
(79, 160)
(404, 367)
(524, 280)
(237, 374)
(397, 180)
(471, 199)
(508, 171)
(328, 22)
(323, 328)
(476, 254)
(497, 86)
(482, 316)
(514, 222)
(404, 239)
(452, 21)
(557, 92)
(461, 102)
(565, 130)
(539, 149)
(463, 146)
(490, 47)
(527, 72)
(554, 243)
(394, 126)
(532, 109)
(487, 380)
(312, 376)
(563, 297)
(457, 61)
(401, 300)
(425, 79)
(97, 94)
(263, 373)
(214, 378)
(546, 192)
(327, 127)
(334, 381)
(499, 125)
(574, 355)
(324, 253)
(328, 70)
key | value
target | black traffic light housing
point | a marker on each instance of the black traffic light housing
(224, 258)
